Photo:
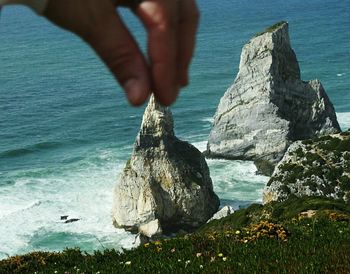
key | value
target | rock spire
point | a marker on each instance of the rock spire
(268, 106)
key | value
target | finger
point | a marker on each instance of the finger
(98, 24)
(160, 20)
(188, 24)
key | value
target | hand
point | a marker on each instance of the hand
(171, 26)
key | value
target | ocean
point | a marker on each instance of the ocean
(66, 129)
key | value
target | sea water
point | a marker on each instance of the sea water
(66, 129)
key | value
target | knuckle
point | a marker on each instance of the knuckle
(165, 23)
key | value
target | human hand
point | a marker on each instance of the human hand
(171, 27)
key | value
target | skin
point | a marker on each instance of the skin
(171, 27)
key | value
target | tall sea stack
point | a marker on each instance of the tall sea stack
(268, 107)
(166, 185)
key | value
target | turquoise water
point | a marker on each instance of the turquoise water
(66, 129)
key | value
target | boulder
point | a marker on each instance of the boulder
(318, 167)
(268, 106)
(166, 180)
(222, 213)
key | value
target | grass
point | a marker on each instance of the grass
(272, 28)
(275, 238)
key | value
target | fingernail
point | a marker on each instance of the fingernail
(133, 91)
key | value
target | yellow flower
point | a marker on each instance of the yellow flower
(220, 255)
(224, 259)
(159, 249)
(146, 245)
(128, 263)
(238, 232)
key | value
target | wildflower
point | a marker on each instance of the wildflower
(201, 266)
(158, 243)
(55, 271)
(187, 262)
(238, 232)
(146, 245)
(224, 259)
(179, 260)
(128, 263)
(173, 250)
(220, 255)
(198, 254)
(245, 241)
(159, 249)
(212, 259)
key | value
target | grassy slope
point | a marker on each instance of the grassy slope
(275, 238)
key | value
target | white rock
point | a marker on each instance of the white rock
(224, 212)
(150, 229)
(268, 107)
(166, 179)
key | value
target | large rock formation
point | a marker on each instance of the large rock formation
(319, 167)
(268, 107)
(166, 181)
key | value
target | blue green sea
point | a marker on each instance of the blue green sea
(66, 128)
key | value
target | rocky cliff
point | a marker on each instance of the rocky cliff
(319, 167)
(268, 107)
(166, 185)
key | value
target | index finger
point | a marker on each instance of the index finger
(160, 20)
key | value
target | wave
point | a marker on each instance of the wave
(208, 119)
(344, 120)
(29, 149)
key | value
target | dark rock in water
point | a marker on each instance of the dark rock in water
(269, 107)
(71, 220)
(166, 185)
(319, 167)
(65, 217)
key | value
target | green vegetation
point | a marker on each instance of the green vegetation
(322, 165)
(275, 238)
(272, 28)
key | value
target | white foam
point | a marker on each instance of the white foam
(201, 146)
(32, 208)
(344, 120)
(236, 182)
(208, 119)
(340, 74)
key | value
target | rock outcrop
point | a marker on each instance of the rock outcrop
(319, 167)
(222, 213)
(268, 107)
(166, 183)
